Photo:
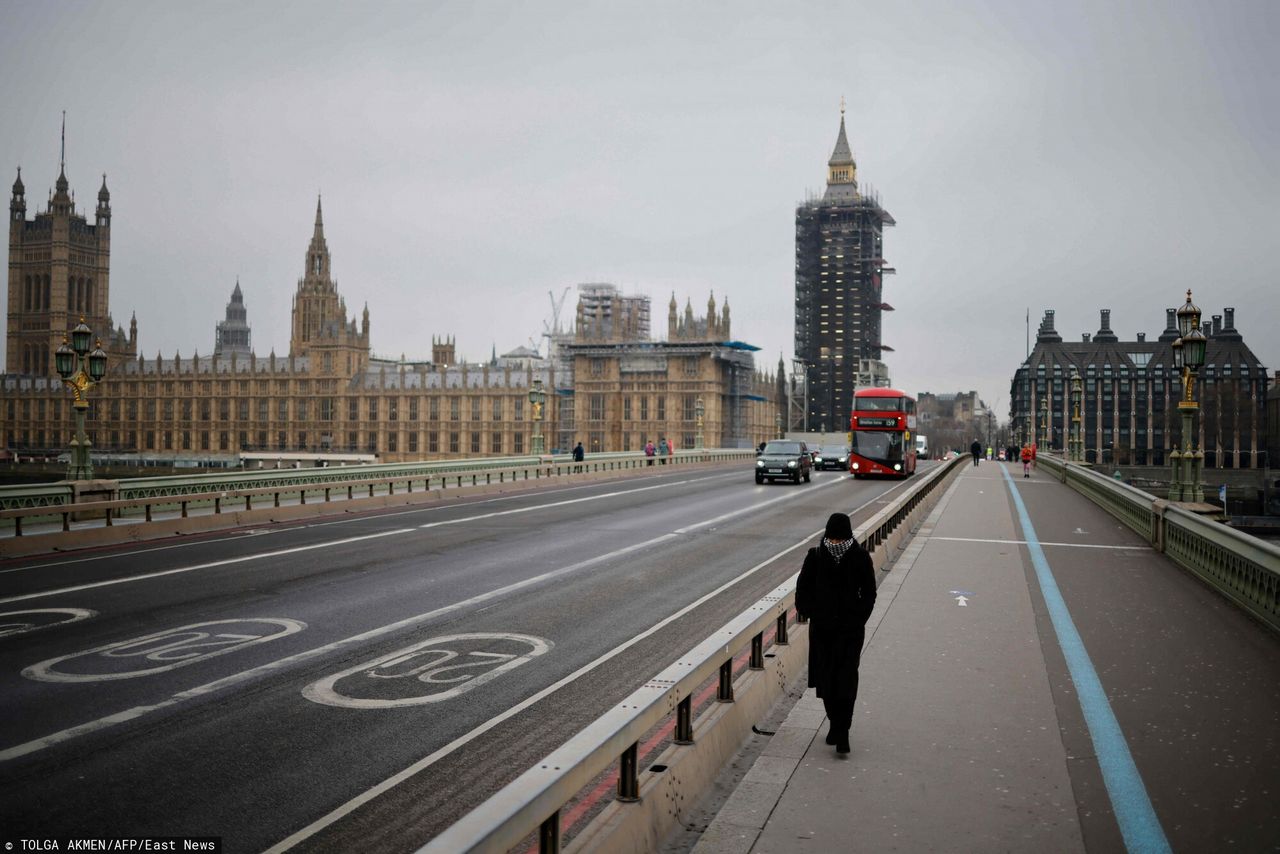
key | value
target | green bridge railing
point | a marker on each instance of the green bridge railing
(1241, 567)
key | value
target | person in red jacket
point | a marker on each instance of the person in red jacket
(1026, 461)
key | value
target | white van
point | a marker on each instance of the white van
(922, 447)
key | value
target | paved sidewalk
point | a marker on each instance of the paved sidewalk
(955, 739)
(1036, 678)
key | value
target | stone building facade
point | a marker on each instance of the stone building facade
(330, 394)
(1131, 391)
(628, 390)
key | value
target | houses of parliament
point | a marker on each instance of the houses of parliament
(609, 384)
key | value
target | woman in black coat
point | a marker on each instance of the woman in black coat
(836, 591)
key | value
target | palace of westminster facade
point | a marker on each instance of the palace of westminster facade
(608, 384)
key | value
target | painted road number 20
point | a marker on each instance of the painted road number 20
(162, 651)
(428, 672)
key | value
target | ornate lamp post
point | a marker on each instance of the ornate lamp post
(699, 409)
(1076, 452)
(1188, 355)
(537, 399)
(781, 434)
(80, 370)
(1044, 424)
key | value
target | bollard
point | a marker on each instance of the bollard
(724, 694)
(549, 835)
(684, 722)
(628, 776)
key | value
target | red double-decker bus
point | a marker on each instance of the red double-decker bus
(882, 433)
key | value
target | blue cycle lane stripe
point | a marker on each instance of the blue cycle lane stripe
(1129, 800)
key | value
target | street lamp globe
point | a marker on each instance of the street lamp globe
(64, 358)
(1193, 348)
(1188, 316)
(81, 337)
(97, 363)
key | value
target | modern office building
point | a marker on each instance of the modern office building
(1131, 391)
(838, 302)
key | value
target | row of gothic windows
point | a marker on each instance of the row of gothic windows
(36, 294)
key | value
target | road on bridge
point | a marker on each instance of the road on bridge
(361, 683)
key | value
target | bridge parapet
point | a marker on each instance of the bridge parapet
(1241, 567)
(642, 814)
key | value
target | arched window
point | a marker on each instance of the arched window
(88, 287)
(71, 294)
(46, 302)
(44, 359)
(26, 296)
(26, 359)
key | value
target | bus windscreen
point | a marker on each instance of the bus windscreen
(881, 446)
(878, 404)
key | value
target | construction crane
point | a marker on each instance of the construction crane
(557, 305)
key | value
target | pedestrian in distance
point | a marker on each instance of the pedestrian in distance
(1026, 461)
(664, 451)
(836, 590)
(578, 455)
(976, 450)
(649, 450)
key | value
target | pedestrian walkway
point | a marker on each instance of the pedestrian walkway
(1035, 678)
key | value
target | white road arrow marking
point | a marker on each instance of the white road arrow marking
(962, 601)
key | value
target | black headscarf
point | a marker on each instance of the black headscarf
(838, 528)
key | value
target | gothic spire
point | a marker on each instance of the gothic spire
(61, 186)
(842, 170)
(318, 234)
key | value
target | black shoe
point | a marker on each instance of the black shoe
(831, 736)
(842, 746)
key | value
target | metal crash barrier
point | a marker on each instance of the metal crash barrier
(227, 499)
(1245, 569)
(641, 814)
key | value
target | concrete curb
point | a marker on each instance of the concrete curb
(740, 821)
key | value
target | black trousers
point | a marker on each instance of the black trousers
(840, 709)
(840, 712)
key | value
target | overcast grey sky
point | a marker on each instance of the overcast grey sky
(475, 156)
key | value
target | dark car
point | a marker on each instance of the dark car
(832, 457)
(784, 458)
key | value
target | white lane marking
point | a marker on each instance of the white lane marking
(566, 502)
(65, 735)
(1024, 542)
(737, 514)
(257, 532)
(210, 565)
(406, 664)
(330, 543)
(8, 626)
(273, 666)
(962, 601)
(462, 740)
(169, 649)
